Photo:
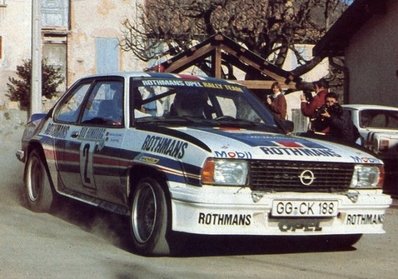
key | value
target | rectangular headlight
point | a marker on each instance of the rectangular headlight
(225, 172)
(367, 176)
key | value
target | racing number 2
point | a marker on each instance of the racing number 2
(86, 164)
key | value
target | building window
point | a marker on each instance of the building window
(55, 13)
(107, 55)
(3, 3)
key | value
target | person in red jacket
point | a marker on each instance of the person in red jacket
(277, 101)
(309, 108)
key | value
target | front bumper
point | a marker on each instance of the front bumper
(226, 211)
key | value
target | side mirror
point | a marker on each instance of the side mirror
(287, 126)
(37, 116)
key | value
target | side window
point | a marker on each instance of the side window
(365, 117)
(55, 13)
(105, 105)
(392, 120)
(68, 111)
(378, 121)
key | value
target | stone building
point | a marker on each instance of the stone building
(79, 36)
(366, 35)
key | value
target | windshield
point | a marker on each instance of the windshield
(196, 103)
(383, 119)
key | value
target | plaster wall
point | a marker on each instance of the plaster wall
(97, 19)
(305, 50)
(89, 19)
(372, 60)
(15, 30)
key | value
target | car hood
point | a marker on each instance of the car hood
(249, 144)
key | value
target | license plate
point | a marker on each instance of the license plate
(304, 208)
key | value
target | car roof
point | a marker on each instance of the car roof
(369, 106)
(159, 75)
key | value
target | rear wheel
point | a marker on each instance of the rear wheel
(38, 193)
(149, 218)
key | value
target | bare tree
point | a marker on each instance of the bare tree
(270, 28)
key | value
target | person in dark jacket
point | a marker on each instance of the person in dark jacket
(277, 101)
(339, 122)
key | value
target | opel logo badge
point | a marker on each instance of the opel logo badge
(307, 177)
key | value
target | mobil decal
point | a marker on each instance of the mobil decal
(297, 148)
(165, 146)
(233, 154)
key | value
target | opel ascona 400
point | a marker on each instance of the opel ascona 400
(181, 153)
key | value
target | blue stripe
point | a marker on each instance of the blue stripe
(118, 153)
(257, 139)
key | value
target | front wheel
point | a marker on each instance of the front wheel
(38, 192)
(149, 218)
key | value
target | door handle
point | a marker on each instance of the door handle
(75, 134)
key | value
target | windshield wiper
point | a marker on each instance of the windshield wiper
(236, 122)
(243, 123)
(171, 120)
(195, 121)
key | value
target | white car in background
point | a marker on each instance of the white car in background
(378, 126)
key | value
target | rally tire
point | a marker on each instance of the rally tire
(149, 218)
(39, 195)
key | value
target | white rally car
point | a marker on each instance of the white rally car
(181, 153)
(378, 126)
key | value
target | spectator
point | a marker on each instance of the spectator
(339, 123)
(277, 101)
(309, 108)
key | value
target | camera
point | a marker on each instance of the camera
(321, 110)
(308, 96)
(335, 109)
(319, 123)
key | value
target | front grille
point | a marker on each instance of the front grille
(281, 176)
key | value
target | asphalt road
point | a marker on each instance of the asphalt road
(77, 241)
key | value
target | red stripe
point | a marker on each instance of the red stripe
(289, 143)
(188, 77)
(106, 161)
